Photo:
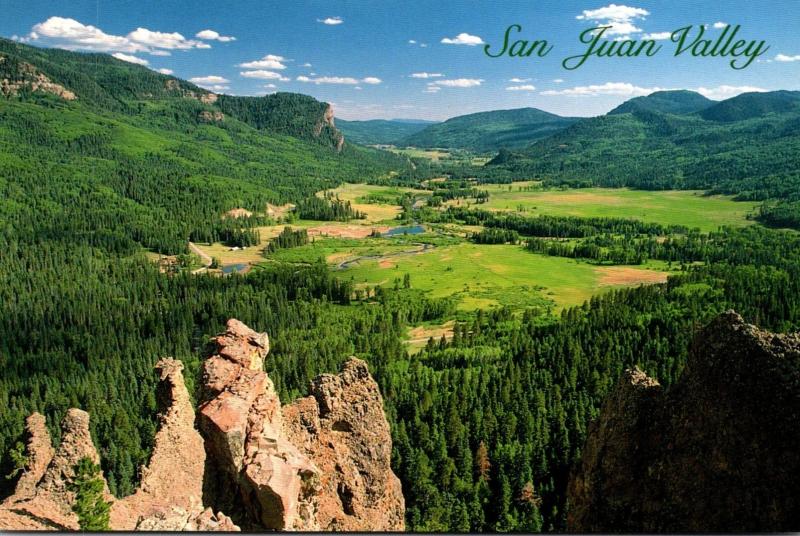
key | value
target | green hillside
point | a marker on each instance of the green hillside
(754, 157)
(671, 102)
(111, 154)
(379, 131)
(487, 131)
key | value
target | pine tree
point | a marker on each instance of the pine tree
(92, 510)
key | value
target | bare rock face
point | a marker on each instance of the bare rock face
(715, 453)
(174, 477)
(324, 465)
(39, 449)
(341, 427)
(242, 423)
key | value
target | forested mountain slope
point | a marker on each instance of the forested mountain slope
(380, 131)
(486, 131)
(754, 157)
(112, 154)
(672, 102)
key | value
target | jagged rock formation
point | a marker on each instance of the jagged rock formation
(324, 465)
(715, 453)
(342, 428)
(242, 421)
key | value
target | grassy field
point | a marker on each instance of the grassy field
(377, 202)
(688, 208)
(483, 276)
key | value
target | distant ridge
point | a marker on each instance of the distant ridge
(489, 131)
(671, 102)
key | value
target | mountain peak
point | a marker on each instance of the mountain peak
(680, 101)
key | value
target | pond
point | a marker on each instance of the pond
(405, 230)
(231, 268)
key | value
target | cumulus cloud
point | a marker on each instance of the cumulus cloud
(624, 89)
(306, 65)
(211, 35)
(458, 82)
(526, 87)
(270, 61)
(71, 34)
(130, 59)
(264, 75)
(338, 80)
(463, 39)
(657, 36)
(164, 70)
(720, 25)
(786, 58)
(516, 80)
(620, 18)
(726, 92)
(331, 21)
(559, 80)
(208, 80)
(426, 75)
(412, 41)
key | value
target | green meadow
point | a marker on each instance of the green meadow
(678, 207)
(481, 276)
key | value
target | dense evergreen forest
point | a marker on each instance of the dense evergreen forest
(486, 425)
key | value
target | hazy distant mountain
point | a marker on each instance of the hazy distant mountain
(488, 131)
(380, 131)
(671, 102)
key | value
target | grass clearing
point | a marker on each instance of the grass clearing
(678, 207)
(379, 203)
(482, 276)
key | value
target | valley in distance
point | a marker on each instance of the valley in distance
(467, 325)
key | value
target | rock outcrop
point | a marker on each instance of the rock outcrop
(29, 78)
(715, 453)
(342, 429)
(322, 463)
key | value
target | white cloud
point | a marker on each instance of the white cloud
(526, 87)
(463, 39)
(270, 61)
(726, 92)
(624, 89)
(339, 80)
(519, 80)
(264, 75)
(130, 59)
(458, 82)
(331, 21)
(720, 25)
(160, 53)
(215, 87)
(657, 36)
(270, 86)
(211, 35)
(164, 70)
(620, 18)
(432, 89)
(412, 42)
(169, 41)
(208, 80)
(559, 80)
(423, 45)
(426, 75)
(70, 34)
(358, 88)
(306, 65)
(785, 58)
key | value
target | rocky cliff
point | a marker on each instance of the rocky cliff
(322, 463)
(715, 453)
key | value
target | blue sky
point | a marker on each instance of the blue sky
(362, 55)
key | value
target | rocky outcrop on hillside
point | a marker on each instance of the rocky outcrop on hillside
(25, 77)
(322, 463)
(715, 453)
